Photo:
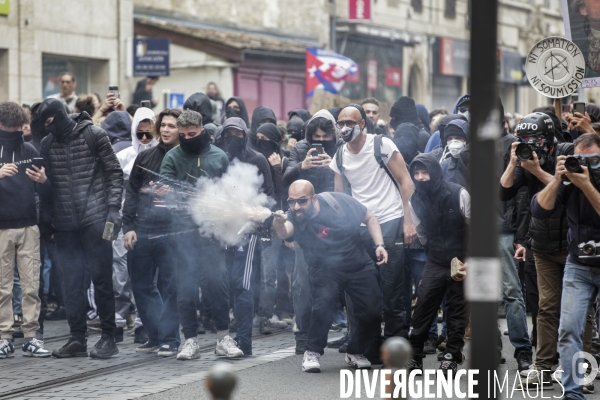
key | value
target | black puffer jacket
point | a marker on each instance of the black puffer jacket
(70, 169)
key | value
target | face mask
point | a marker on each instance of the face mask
(267, 147)
(349, 134)
(11, 140)
(232, 112)
(61, 126)
(455, 146)
(195, 145)
(467, 115)
(329, 146)
(233, 146)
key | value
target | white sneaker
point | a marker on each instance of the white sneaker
(310, 362)
(358, 361)
(526, 372)
(35, 348)
(228, 348)
(190, 350)
(276, 323)
(6, 349)
(557, 375)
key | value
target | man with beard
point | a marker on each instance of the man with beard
(441, 212)
(180, 168)
(245, 261)
(305, 163)
(142, 221)
(81, 209)
(328, 228)
(384, 188)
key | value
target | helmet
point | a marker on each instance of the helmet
(536, 123)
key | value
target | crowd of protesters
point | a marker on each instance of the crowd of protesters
(368, 234)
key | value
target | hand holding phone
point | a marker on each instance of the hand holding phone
(146, 103)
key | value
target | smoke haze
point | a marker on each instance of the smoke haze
(228, 207)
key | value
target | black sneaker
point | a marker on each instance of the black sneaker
(335, 344)
(414, 365)
(448, 364)
(73, 348)
(119, 334)
(167, 350)
(105, 348)
(147, 347)
(141, 336)
(589, 388)
(265, 326)
(524, 361)
(429, 347)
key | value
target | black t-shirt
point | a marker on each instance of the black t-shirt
(333, 241)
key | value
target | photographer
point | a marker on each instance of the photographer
(580, 285)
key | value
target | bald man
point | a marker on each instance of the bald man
(327, 227)
(387, 198)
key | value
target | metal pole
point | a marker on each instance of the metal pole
(332, 19)
(483, 272)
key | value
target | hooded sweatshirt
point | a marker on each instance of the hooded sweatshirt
(301, 113)
(437, 142)
(261, 113)
(246, 154)
(321, 178)
(406, 139)
(267, 148)
(404, 110)
(118, 128)
(17, 193)
(243, 114)
(127, 157)
(441, 211)
(201, 103)
(456, 169)
(296, 124)
(424, 117)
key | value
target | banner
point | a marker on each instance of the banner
(582, 27)
(359, 10)
(327, 70)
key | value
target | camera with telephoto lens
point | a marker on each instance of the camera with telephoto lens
(524, 151)
(574, 163)
(590, 249)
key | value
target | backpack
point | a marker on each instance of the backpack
(378, 156)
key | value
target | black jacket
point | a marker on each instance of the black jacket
(74, 174)
(139, 212)
(321, 178)
(17, 193)
(547, 235)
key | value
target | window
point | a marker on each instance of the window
(53, 66)
(450, 9)
(417, 5)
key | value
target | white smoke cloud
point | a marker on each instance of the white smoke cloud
(228, 207)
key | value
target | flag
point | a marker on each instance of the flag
(327, 70)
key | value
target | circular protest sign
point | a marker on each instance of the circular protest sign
(555, 67)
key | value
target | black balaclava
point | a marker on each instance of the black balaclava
(268, 147)
(200, 102)
(233, 146)
(243, 113)
(37, 125)
(404, 110)
(62, 126)
(196, 145)
(431, 188)
(295, 124)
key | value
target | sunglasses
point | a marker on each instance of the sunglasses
(141, 134)
(301, 202)
(349, 123)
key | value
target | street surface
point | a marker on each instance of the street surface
(273, 372)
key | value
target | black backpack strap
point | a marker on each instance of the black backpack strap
(379, 157)
(340, 164)
(333, 203)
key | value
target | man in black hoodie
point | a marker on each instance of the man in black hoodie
(261, 115)
(235, 107)
(79, 210)
(19, 234)
(441, 212)
(143, 221)
(244, 261)
(200, 102)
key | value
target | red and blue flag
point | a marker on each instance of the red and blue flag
(327, 70)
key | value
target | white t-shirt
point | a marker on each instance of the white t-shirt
(371, 185)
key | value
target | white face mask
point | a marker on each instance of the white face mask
(455, 146)
(467, 115)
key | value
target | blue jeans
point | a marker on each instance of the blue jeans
(580, 287)
(516, 319)
(414, 262)
(157, 310)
